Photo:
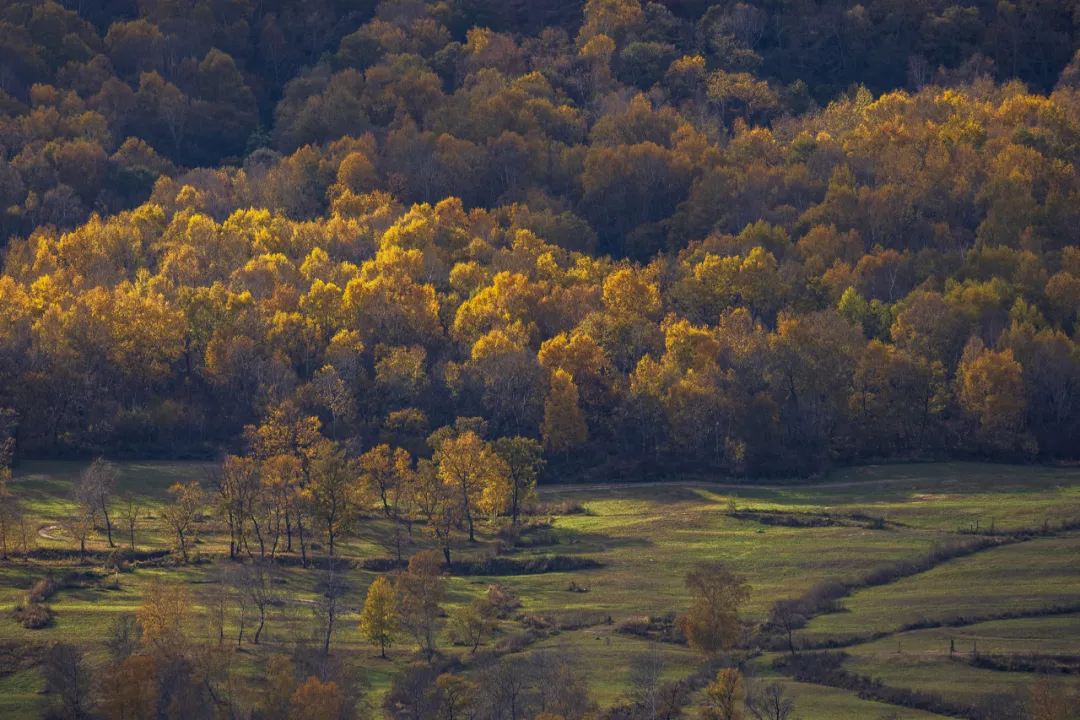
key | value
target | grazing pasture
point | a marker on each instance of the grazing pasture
(784, 539)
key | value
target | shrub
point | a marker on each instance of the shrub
(34, 616)
(534, 565)
(502, 601)
(42, 590)
(516, 642)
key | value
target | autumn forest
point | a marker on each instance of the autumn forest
(405, 258)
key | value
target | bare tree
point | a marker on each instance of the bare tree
(260, 590)
(645, 672)
(238, 581)
(411, 695)
(79, 523)
(472, 623)
(68, 682)
(505, 688)
(332, 588)
(130, 510)
(183, 514)
(123, 639)
(12, 519)
(557, 684)
(787, 617)
(770, 702)
(98, 482)
(422, 589)
(218, 601)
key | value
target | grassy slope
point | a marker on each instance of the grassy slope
(647, 537)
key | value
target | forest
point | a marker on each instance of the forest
(404, 259)
(629, 235)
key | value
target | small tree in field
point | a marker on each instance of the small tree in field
(521, 457)
(787, 617)
(164, 611)
(422, 590)
(183, 514)
(12, 517)
(379, 620)
(724, 697)
(130, 510)
(472, 623)
(79, 523)
(98, 483)
(711, 625)
(770, 703)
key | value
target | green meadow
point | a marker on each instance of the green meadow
(646, 537)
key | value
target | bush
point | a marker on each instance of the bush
(564, 507)
(660, 628)
(525, 566)
(42, 590)
(384, 565)
(502, 601)
(516, 642)
(33, 616)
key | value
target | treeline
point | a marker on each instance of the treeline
(489, 101)
(163, 330)
(432, 220)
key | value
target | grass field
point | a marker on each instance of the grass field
(646, 537)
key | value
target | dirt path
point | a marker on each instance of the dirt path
(45, 531)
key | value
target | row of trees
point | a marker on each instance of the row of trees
(296, 485)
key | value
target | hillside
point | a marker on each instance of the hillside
(601, 359)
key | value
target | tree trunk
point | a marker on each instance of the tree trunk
(232, 537)
(262, 621)
(108, 524)
(258, 534)
(303, 545)
(288, 532)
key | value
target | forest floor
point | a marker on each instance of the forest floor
(1015, 599)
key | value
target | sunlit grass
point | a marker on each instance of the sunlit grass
(646, 539)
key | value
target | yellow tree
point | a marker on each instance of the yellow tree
(284, 445)
(162, 615)
(11, 514)
(711, 625)
(422, 589)
(724, 697)
(183, 514)
(1048, 700)
(333, 489)
(316, 700)
(564, 425)
(521, 457)
(990, 386)
(437, 503)
(129, 690)
(378, 476)
(468, 464)
(379, 620)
